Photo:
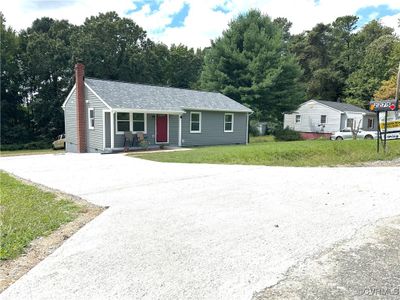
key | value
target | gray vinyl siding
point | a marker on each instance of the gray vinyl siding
(151, 128)
(94, 136)
(365, 122)
(108, 130)
(173, 130)
(70, 124)
(212, 129)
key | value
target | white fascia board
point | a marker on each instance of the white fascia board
(69, 96)
(218, 110)
(149, 111)
(359, 112)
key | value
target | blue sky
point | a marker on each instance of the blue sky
(196, 22)
(369, 13)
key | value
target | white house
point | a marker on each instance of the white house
(316, 118)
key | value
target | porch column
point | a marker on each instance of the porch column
(112, 128)
(180, 131)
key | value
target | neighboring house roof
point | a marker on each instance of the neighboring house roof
(124, 95)
(343, 107)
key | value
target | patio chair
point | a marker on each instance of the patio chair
(142, 140)
(128, 139)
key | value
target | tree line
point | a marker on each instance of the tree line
(256, 61)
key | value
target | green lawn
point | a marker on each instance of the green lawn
(26, 213)
(299, 153)
(261, 139)
(29, 152)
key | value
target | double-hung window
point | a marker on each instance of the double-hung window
(138, 122)
(134, 122)
(195, 122)
(370, 123)
(350, 123)
(228, 122)
(91, 118)
(323, 119)
(298, 118)
(122, 122)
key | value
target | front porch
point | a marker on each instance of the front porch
(155, 128)
(153, 148)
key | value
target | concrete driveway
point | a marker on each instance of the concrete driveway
(185, 231)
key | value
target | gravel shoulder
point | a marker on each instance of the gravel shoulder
(367, 266)
(381, 163)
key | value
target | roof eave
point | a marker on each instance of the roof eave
(69, 96)
(219, 109)
(148, 111)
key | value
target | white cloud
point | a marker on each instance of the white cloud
(392, 21)
(201, 25)
(202, 22)
(21, 13)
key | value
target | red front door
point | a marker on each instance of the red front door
(162, 128)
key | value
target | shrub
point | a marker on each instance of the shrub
(287, 135)
(28, 146)
(253, 130)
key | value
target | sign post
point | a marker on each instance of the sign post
(386, 106)
(397, 89)
(378, 132)
(383, 106)
(384, 141)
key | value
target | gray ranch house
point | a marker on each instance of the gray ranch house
(100, 113)
(318, 118)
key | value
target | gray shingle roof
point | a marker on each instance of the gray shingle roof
(342, 106)
(126, 95)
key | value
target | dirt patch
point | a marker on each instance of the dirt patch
(382, 163)
(377, 163)
(40, 248)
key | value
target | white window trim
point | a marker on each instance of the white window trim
(373, 123)
(130, 122)
(295, 119)
(347, 123)
(116, 122)
(89, 118)
(190, 123)
(233, 119)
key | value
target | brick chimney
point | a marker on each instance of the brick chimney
(80, 107)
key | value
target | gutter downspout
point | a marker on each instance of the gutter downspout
(247, 131)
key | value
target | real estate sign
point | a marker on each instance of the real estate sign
(393, 124)
(393, 117)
